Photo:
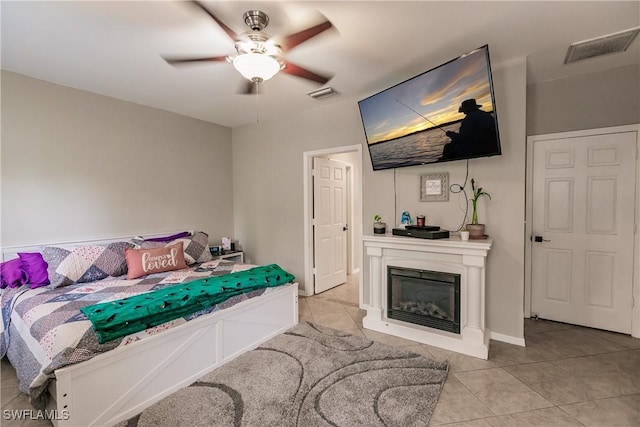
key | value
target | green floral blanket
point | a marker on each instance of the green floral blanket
(115, 319)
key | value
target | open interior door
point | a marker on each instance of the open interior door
(330, 226)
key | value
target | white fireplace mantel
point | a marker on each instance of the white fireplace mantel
(452, 255)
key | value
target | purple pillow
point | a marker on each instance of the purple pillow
(169, 238)
(12, 274)
(35, 268)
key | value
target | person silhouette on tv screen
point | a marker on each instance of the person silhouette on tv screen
(476, 137)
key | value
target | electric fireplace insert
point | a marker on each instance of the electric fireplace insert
(423, 297)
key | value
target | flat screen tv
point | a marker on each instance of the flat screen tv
(444, 114)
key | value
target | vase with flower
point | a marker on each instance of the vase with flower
(476, 230)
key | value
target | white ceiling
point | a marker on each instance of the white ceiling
(114, 48)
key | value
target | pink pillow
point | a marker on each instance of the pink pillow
(141, 262)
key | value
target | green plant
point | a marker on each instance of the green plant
(377, 218)
(477, 193)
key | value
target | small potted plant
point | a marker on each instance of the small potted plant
(464, 233)
(379, 227)
(476, 230)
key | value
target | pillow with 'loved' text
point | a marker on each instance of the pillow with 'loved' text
(141, 262)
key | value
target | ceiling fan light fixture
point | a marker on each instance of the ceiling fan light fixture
(256, 66)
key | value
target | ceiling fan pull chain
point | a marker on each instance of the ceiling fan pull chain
(257, 103)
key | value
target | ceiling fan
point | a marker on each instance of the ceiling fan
(259, 56)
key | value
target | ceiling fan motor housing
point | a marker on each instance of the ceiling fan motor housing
(257, 20)
(256, 42)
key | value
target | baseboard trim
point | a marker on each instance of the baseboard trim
(507, 338)
(302, 291)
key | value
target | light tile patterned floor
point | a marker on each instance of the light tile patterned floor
(566, 376)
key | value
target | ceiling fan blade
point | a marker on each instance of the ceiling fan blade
(295, 39)
(183, 61)
(298, 71)
(222, 25)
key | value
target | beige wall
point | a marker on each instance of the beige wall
(268, 190)
(76, 166)
(588, 101)
(268, 179)
(502, 176)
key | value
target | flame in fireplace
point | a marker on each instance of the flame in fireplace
(424, 308)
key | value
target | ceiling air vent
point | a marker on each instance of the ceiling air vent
(325, 92)
(603, 45)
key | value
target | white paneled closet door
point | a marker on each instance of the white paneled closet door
(583, 230)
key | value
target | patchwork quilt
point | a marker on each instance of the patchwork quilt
(43, 329)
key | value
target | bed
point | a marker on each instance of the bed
(115, 380)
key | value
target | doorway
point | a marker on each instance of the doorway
(351, 158)
(582, 241)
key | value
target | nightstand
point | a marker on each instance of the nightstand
(237, 256)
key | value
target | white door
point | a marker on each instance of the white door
(330, 223)
(583, 230)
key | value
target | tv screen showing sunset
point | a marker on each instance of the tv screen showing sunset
(412, 122)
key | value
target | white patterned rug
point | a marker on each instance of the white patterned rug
(308, 376)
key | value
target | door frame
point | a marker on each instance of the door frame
(307, 159)
(531, 140)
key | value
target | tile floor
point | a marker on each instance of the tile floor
(566, 376)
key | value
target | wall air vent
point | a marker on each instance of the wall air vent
(603, 45)
(325, 92)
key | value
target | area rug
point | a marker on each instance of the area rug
(308, 376)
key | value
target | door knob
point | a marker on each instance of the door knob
(346, 227)
(540, 239)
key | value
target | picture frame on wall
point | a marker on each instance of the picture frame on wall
(434, 187)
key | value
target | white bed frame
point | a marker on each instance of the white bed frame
(119, 384)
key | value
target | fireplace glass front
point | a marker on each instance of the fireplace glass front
(422, 297)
